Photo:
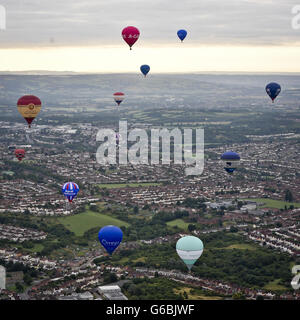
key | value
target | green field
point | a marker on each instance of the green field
(274, 286)
(123, 185)
(196, 296)
(82, 222)
(179, 223)
(241, 246)
(277, 204)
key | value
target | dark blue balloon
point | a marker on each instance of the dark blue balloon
(273, 89)
(230, 158)
(230, 155)
(145, 69)
(181, 34)
(229, 170)
(110, 237)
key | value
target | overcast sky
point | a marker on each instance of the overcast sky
(95, 24)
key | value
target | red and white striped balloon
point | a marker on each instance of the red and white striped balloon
(119, 97)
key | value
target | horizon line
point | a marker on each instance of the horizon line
(46, 72)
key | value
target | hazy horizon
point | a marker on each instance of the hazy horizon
(85, 36)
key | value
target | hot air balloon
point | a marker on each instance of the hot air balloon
(119, 97)
(110, 237)
(189, 249)
(20, 154)
(70, 190)
(231, 160)
(130, 35)
(145, 69)
(273, 89)
(181, 34)
(29, 106)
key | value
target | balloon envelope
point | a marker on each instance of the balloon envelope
(29, 106)
(145, 69)
(20, 154)
(230, 155)
(231, 160)
(130, 35)
(189, 249)
(110, 237)
(70, 190)
(181, 34)
(273, 89)
(119, 97)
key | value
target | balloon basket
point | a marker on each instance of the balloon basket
(68, 206)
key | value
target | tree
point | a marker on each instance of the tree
(234, 229)
(191, 227)
(27, 279)
(288, 196)
(238, 296)
(110, 278)
(19, 287)
(136, 210)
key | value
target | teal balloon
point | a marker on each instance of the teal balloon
(189, 249)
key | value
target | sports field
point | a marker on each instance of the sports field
(270, 203)
(82, 222)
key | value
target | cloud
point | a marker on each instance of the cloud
(98, 22)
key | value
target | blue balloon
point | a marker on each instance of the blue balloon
(181, 34)
(145, 69)
(273, 89)
(230, 155)
(110, 237)
(231, 159)
(230, 170)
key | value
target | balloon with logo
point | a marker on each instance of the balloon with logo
(119, 97)
(29, 107)
(189, 249)
(181, 34)
(20, 154)
(110, 237)
(231, 160)
(145, 69)
(130, 35)
(70, 190)
(273, 89)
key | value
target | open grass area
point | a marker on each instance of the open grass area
(274, 286)
(195, 296)
(179, 223)
(82, 222)
(270, 203)
(123, 185)
(141, 259)
(241, 246)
